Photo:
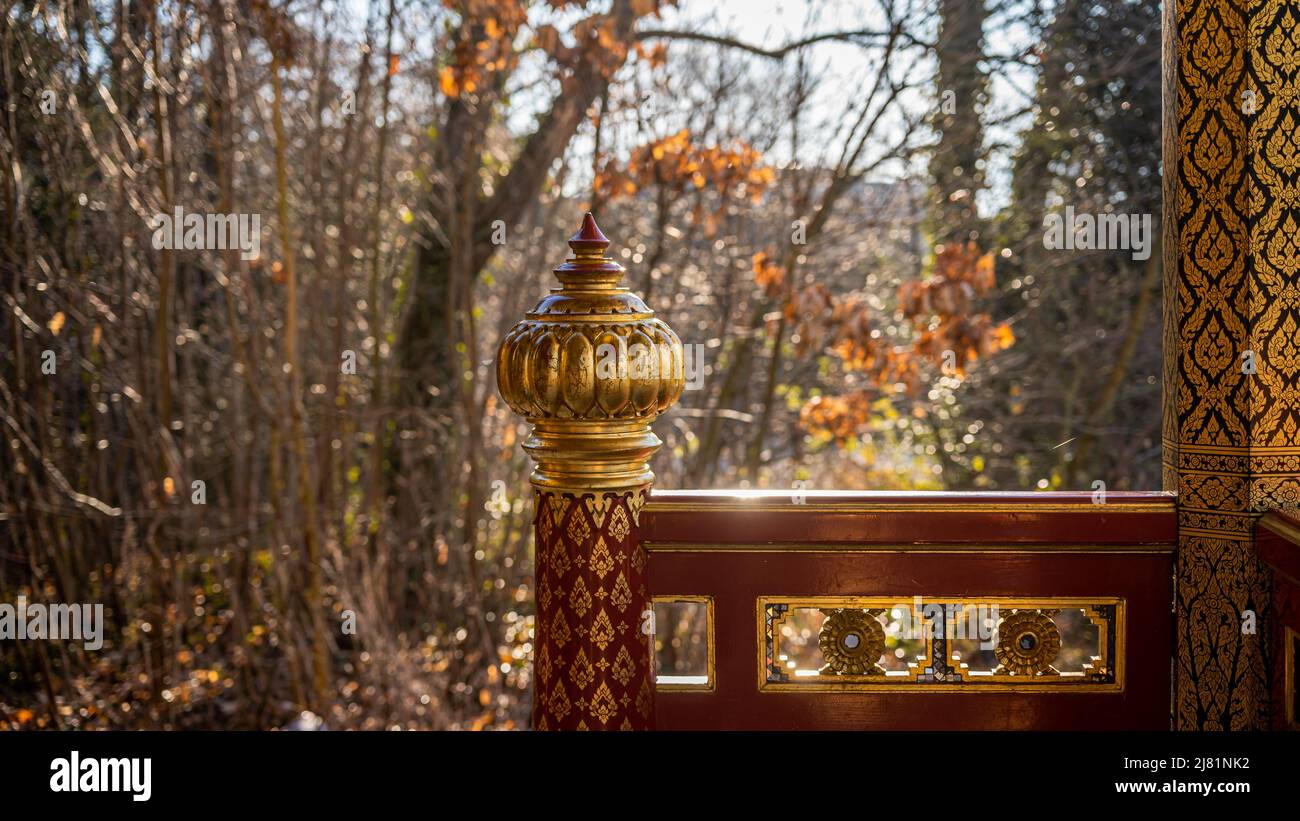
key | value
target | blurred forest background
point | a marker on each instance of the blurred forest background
(839, 201)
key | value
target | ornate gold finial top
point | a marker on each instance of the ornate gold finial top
(589, 269)
(591, 367)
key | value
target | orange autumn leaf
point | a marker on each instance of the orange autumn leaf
(947, 322)
(1003, 336)
(393, 63)
(767, 274)
(983, 274)
(447, 82)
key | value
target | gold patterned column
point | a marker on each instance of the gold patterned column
(591, 367)
(1232, 422)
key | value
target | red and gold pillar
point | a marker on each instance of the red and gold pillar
(590, 368)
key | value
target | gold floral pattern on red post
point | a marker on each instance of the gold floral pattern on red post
(597, 654)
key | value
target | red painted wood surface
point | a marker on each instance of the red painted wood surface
(933, 545)
(1278, 540)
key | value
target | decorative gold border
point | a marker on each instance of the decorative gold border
(709, 622)
(1237, 450)
(1224, 535)
(929, 547)
(985, 684)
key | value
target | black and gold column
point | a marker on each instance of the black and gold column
(591, 367)
(1232, 343)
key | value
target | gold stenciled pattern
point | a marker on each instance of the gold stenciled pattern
(1235, 293)
(592, 663)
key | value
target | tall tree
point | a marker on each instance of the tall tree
(1074, 396)
(957, 162)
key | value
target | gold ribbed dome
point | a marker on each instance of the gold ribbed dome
(590, 367)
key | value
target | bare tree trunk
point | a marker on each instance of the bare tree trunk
(379, 421)
(297, 435)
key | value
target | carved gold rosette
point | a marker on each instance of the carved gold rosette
(590, 367)
(1028, 643)
(852, 641)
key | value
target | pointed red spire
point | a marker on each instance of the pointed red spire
(589, 238)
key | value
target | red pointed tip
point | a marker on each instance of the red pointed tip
(589, 235)
(590, 231)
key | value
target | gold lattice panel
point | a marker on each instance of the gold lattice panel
(992, 644)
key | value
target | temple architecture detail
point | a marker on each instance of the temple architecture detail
(1232, 337)
(591, 368)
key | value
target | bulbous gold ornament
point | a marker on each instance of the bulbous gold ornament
(590, 368)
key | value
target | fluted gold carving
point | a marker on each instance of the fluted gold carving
(590, 368)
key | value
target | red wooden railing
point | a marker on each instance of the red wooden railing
(737, 549)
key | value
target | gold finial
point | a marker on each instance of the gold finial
(590, 367)
(589, 269)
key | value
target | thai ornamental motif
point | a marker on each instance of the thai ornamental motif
(1028, 643)
(852, 641)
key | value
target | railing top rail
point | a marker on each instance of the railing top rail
(795, 499)
(721, 518)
